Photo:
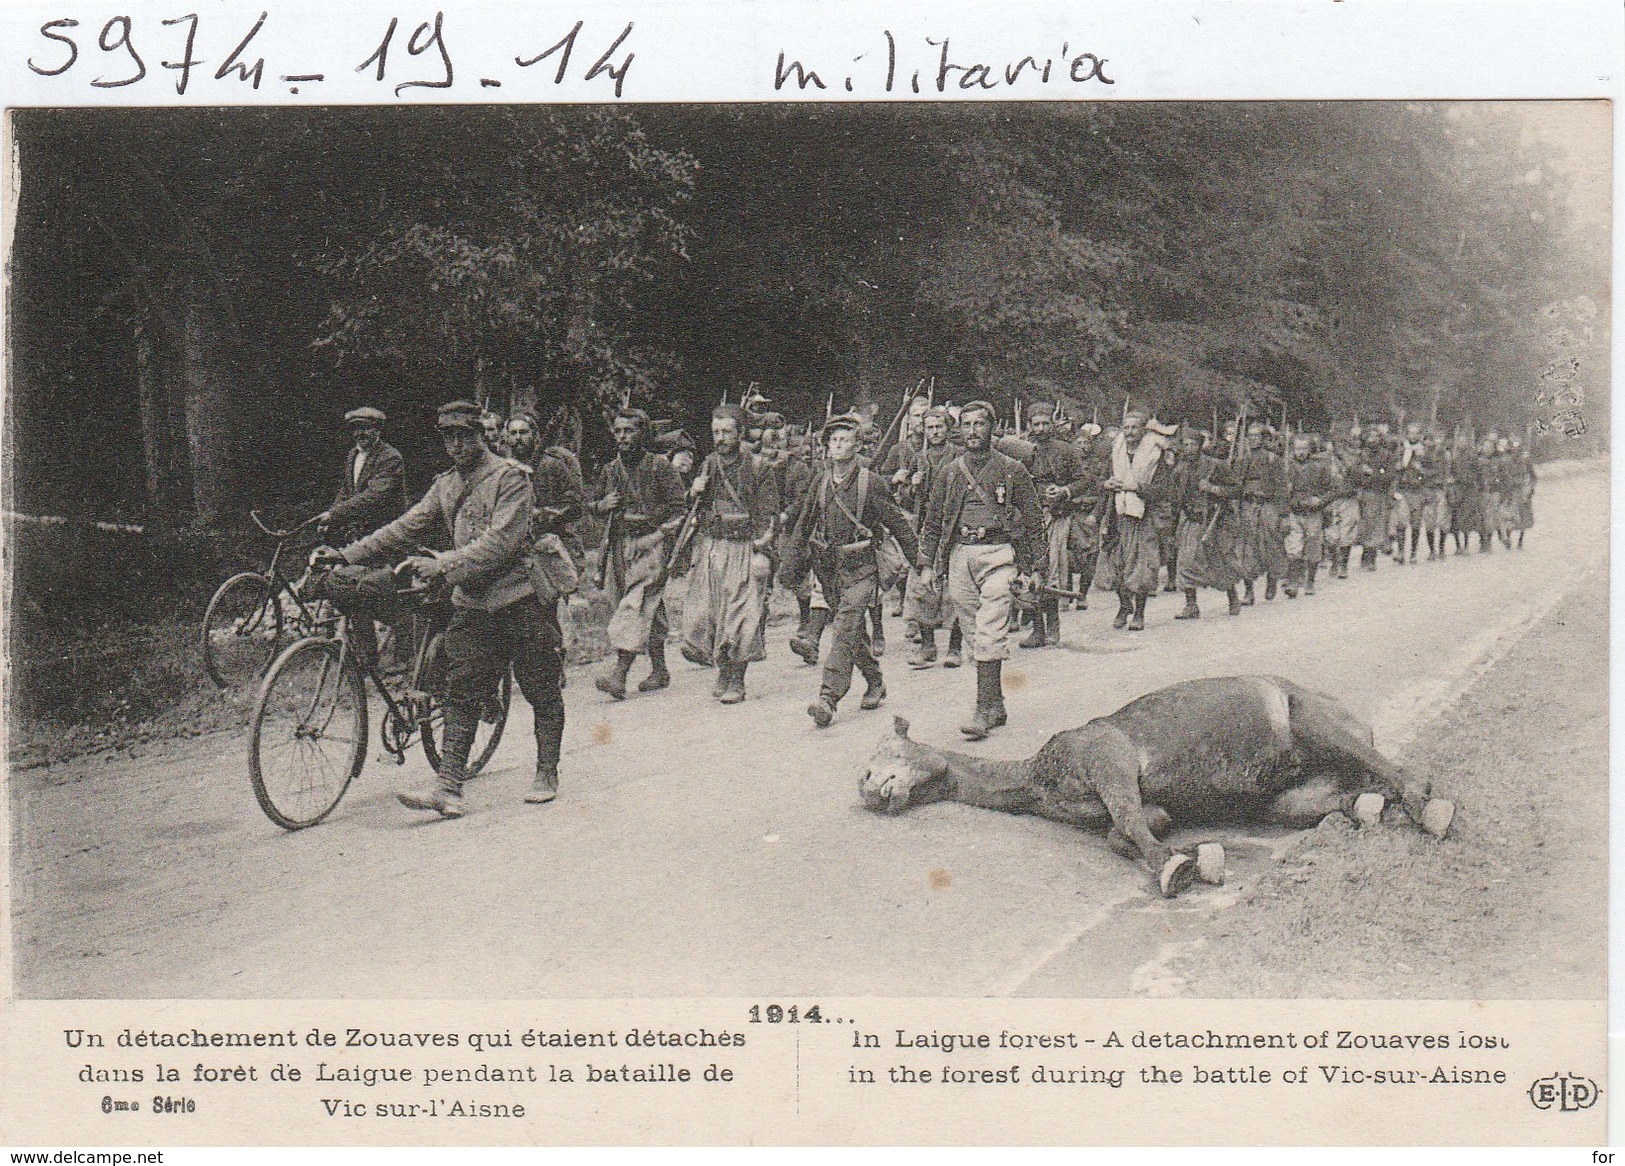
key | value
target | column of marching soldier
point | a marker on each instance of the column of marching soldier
(958, 526)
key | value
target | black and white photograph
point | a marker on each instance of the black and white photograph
(1062, 550)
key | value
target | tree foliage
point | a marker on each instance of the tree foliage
(217, 286)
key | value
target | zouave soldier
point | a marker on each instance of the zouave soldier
(1060, 477)
(845, 510)
(982, 530)
(642, 496)
(736, 510)
(1205, 489)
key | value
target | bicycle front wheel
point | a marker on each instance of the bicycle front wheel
(308, 736)
(242, 631)
(493, 710)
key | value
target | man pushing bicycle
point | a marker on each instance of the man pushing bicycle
(485, 501)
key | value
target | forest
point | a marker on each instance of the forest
(199, 295)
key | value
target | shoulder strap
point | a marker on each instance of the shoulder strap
(975, 483)
(469, 487)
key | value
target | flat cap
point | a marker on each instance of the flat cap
(365, 415)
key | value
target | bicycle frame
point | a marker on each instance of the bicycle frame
(403, 720)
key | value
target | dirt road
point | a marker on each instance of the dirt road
(708, 851)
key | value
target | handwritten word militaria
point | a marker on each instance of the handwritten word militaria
(939, 65)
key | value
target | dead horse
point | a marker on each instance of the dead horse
(1221, 749)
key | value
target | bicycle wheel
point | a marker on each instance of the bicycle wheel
(308, 736)
(430, 678)
(242, 631)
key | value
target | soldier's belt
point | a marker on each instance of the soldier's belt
(983, 534)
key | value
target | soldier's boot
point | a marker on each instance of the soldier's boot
(1433, 552)
(956, 646)
(805, 643)
(613, 682)
(1052, 621)
(1169, 586)
(1125, 608)
(925, 652)
(1036, 638)
(911, 631)
(989, 699)
(723, 674)
(874, 694)
(545, 786)
(1190, 610)
(1520, 540)
(1343, 554)
(1368, 558)
(877, 638)
(822, 711)
(1294, 568)
(1269, 586)
(734, 691)
(1248, 599)
(803, 613)
(1416, 536)
(1309, 584)
(444, 795)
(659, 677)
(1235, 603)
(1136, 621)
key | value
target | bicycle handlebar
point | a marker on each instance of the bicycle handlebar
(281, 534)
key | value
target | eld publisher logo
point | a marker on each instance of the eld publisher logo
(1565, 1092)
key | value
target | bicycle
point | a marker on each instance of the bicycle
(308, 732)
(254, 615)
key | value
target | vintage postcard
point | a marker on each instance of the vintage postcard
(722, 575)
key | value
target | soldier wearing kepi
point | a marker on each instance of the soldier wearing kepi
(736, 509)
(842, 515)
(486, 502)
(1059, 475)
(643, 496)
(982, 529)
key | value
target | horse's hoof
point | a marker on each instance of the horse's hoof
(1368, 809)
(1210, 863)
(1437, 815)
(1176, 875)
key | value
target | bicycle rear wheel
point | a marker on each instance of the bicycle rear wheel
(430, 678)
(308, 736)
(242, 631)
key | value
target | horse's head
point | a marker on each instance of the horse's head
(902, 773)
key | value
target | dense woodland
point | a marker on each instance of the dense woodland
(198, 295)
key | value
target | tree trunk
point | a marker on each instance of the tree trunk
(211, 444)
(157, 432)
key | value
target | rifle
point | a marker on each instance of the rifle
(1230, 460)
(886, 440)
(608, 549)
(685, 535)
